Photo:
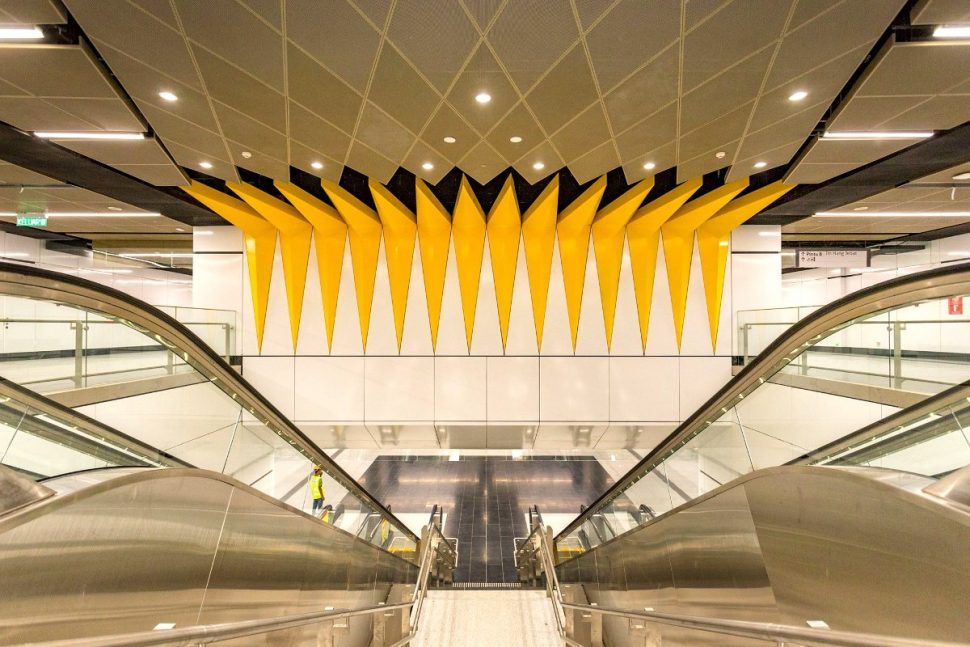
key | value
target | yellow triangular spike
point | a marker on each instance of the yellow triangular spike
(295, 233)
(608, 229)
(572, 230)
(400, 230)
(434, 239)
(364, 229)
(329, 240)
(260, 239)
(713, 238)
(539, 239)
(678, 239)
(643, 236)
(504, 228)
(468, 225)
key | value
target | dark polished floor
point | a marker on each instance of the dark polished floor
(486, 500)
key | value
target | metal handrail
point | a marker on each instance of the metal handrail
(778, 633)
(941, 282)
(36, 283)
(545, 554)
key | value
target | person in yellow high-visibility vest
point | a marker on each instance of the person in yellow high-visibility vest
(316, 490)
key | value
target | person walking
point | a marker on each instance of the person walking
(316, 490)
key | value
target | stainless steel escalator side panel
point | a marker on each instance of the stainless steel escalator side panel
(861, 549)
(177, 546)
(17, 491)
(953, 487)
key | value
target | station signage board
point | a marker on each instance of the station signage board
(832, 258)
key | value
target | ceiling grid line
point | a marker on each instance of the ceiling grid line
(680, 82)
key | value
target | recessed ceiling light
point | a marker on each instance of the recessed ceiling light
(538, 166)
(246, 154)
(952, 31)
(962, 176)
(179, 229)
(798, 96)
(877, 134)
(205, 165)
(861, 209)
(91, 135)
(760, 164)
(483, 97)
(114, 208)
(168, 96)
(450, 140)
(649, 166)
(316, 165)
(515, 139)
(21, 33)
(427, 166)
(894, 214)
(720, 155)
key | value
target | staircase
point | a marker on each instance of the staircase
(513, 618)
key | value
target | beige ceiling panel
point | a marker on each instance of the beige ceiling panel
(595, 163)
(797, 126)
(161, 9)
(261, 163)
(236, 35)
(696, 11)
(917, 69)
(647, 91)
(846, 26)
(484, 11)
(945, 175)
(630, 35)
(735, 32)
(565, 91)
(268, 10)
(35, 12)
(714, 135)
(106, 114)
(155, 174)
(871, 225)
(319, 91)
(808, 173)
(383, 134)
(335, 34)
(530, 36)
(310, 130)
(250, 133)
(233, 87)
(543, 154)
(853, 152)
(706, 162)
(146, 151)
(583, 134)
(134, 33)
(13, 174)
(55, 72)
(518, 123)
(447, 123)
(483, 163)
(303, 158)
(28, 113)
(774, 157)
(482, 74)
(662, 158)
(401, 92)
(937, 12)
(939, 113)
(370, 163)
(867, 113)
(807, 10)
(422, 154)
(722, 94)
(375, 10)
(190, 157)
(650, 134)
(175, 129)
(436, 36)
(590, 10)
(7, 90)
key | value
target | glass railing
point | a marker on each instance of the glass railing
(784, 405)
(212, 420)
(758, 328)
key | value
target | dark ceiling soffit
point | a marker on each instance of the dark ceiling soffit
(937, 153)
(46, 158)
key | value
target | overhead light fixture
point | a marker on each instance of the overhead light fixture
(720, 155)
(649, 166)
(91, 214)
(316, 165)
(157, 255)
(962, 176)
(21, 33)
(168, 96)
(760, 164)
(774, 234)
(948, 254)
(483, 97)
(205, 165)
(894, 214)
(797, 96)
(427, 166)
(203, 232)
(450, 140)
(515, 139)
(877, 134)
(114, 208)
(246, 155)
(91, 135)
(538, 166)
(861, 209)
(952, 31)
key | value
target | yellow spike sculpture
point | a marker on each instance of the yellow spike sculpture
(329, 240)
(539, 240)
(504, 229)
(678, 238)
(468, 226)
(643, 236)
(608, 229)
(713, 239)
(260, 238)
(572, 230)
(400, 231)
(364, 229)
(434, 239)
(295, 233)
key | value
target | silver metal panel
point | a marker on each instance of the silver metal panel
(17, 491)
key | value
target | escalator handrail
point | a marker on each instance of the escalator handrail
(945, 281)
(36, 283)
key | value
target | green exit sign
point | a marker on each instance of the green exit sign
(31, 221)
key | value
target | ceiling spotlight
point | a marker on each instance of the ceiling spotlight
(861, 209)
(515, 139)
(316, 165)
(894, 214)
(168, 96)
(720, 155)
(20, 33)
(88, 135)
(798, 96)
(877, 134)
(962, 176)
(952, 31)
(649, 166)
(450, 140)
(483, 97)
(760, 164)
(246, 154)
(538, 166)
(427, 166)
(114, 208)
(205, 165)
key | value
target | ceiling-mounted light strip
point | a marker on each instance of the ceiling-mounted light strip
(99, 136)
(893, 214)
(88, 214)
(952, 31)
(20, 33)
(158, 255)
(848, 135)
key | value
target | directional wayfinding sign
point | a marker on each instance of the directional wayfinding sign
(32, 220)
(832, 258)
